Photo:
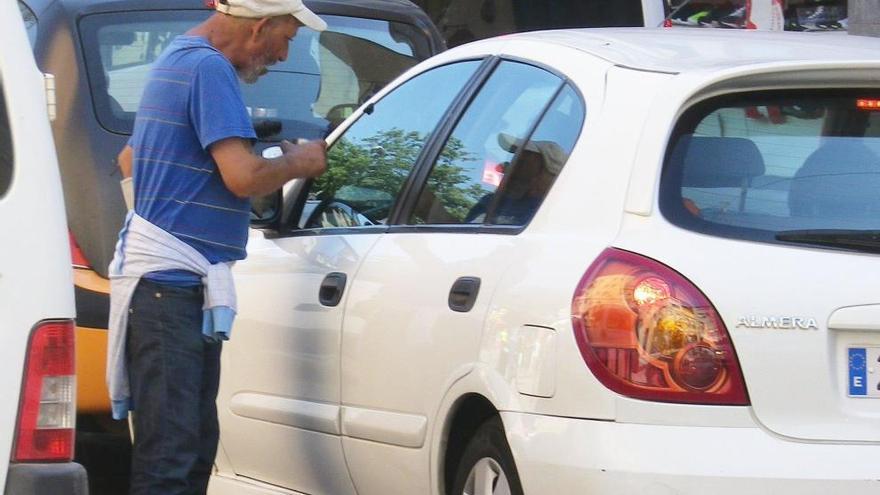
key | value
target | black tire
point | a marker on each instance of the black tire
(487, 446)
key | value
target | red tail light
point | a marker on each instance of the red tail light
(47, 411)
(647, 332)
(79, 260)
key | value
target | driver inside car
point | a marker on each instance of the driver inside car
(531, 176)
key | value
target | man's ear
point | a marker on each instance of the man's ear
(260, 27)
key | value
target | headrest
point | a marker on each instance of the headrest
(716, 161)
(840, 179)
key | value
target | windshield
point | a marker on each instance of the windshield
(777, 166)
(325, 77)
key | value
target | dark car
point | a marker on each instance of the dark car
(100, 53)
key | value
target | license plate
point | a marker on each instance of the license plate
(864, 372)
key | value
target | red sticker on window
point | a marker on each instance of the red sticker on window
(492, 173)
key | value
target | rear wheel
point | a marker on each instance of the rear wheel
(486, 466)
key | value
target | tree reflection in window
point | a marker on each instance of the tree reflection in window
(368, 175)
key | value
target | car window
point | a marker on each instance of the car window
(368, 165)
(761, 165)
(6, 155)
(539, 162)
(325, 77)
(30, 22)
(480, 149)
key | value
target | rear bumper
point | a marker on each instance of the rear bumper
(92, 293)
(91, 385)
(67, 478)
(566, 455)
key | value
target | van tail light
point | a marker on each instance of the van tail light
(648, 333)
(47, 410)
(76, 254)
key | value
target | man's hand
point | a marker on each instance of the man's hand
(310, 158)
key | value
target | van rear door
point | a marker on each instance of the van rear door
(36, 296)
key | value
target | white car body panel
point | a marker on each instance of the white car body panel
(405, 361)
(632, 459)
(35, 274)
(388, 319)
(281, 375)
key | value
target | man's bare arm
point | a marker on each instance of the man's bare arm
(246, 174)
(123, 161)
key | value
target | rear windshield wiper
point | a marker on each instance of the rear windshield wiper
(860, 240)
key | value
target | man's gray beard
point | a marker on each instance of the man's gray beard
(249, 77)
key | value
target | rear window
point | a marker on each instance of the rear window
(777, 166)
(325, 77)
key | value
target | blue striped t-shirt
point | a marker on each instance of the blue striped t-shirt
(192, 99)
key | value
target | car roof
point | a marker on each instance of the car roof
(684, 50)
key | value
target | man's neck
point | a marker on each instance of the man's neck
(221, 32)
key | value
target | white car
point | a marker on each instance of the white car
(593, 261)
(37, 379)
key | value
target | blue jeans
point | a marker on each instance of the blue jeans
(174, 374)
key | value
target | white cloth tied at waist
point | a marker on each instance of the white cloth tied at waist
(143, 248)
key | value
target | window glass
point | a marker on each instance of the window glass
(475, 158)
(5, 148)
(539, 161)
(325, 77)
(762, 166)
(368, 165)
(30, 22)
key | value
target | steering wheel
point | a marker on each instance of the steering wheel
(337, 213)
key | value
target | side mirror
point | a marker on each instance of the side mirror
(266, 210)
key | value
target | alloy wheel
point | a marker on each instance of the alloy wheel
(486, 478)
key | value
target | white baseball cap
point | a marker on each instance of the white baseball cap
(553, 154)
(257, 9)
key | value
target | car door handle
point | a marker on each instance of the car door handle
(463, 294)
(332, 288)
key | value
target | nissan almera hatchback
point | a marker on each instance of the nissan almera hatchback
(596, 261)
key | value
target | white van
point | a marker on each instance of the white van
(37, 380)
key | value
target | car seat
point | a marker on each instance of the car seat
(715, 162)
(841, 179)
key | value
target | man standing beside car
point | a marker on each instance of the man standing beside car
(194, 170)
